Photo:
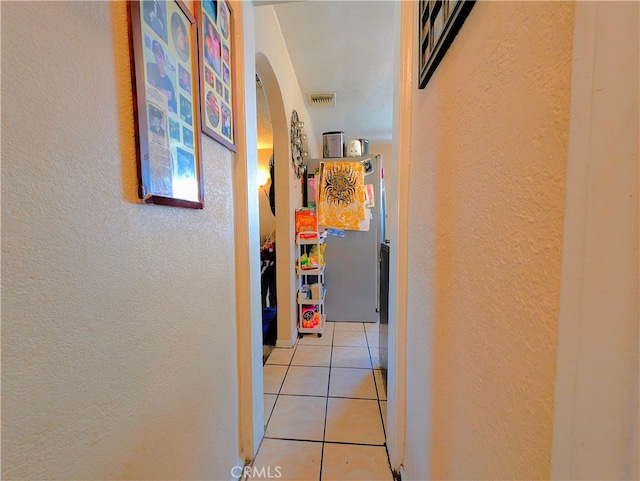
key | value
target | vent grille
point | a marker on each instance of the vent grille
(322, 99)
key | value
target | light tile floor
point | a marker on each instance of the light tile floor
(325, 408)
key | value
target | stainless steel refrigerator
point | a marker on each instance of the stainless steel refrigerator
(352, 273)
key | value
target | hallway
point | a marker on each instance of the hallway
(325, 408)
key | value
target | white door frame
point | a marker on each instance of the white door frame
(247, 242)
(250, 384)
(285, 282)
(398, 282)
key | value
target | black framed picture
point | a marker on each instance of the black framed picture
(164, 61)
(439, 23)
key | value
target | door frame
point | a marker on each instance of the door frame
(250, 375)
(398, 281)
(285, 281)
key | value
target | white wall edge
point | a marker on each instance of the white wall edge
(595, 425)
(247, 241)
(398, 282)
(403, 473)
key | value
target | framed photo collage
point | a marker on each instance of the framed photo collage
(182, 75)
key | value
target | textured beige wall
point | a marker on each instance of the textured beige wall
(118, 322)
(487, 179)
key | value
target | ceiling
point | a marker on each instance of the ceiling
(344, 47)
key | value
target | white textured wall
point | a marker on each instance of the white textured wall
(486, 204)
(118, 322)
(269, 41)
(596, 395)
(277, 74)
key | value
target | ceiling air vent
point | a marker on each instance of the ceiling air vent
(322, 99)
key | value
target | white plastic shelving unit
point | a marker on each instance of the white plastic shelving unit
(302, 276)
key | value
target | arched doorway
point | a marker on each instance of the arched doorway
(286, 317)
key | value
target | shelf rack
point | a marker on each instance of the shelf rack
(302, 278)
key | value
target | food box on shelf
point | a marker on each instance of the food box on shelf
(317, 291)
(310, 317)
(306, 220)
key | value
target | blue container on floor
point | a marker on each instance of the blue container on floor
(269, 325)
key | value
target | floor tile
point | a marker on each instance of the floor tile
(312, 356)
(347, 462)
(288, 460)
(372, 339)
(350, 357)
(329, 326)
(352, 421)
(298, 417)
(280, 355)
(269, 402)
(352, 383)
(382, 390)
(371, 326)
(349, 326)
(349, 338)
(273, 377)
(314, 340)
(383, 408)
(306, 381)
(375, 357)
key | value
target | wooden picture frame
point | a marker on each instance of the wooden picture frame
(438, 23)
(216, 57)
(164, 66)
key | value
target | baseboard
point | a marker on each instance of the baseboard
(286, 343)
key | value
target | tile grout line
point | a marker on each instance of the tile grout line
(326, 407)
(322, 365)
(280, 394)
(330, 397)
(295, 348)
(375, 382)
(384, 429)
(327, 396)
(350, 443)
(331, 367)
(326, 442)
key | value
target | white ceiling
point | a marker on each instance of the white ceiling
(344, 47)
